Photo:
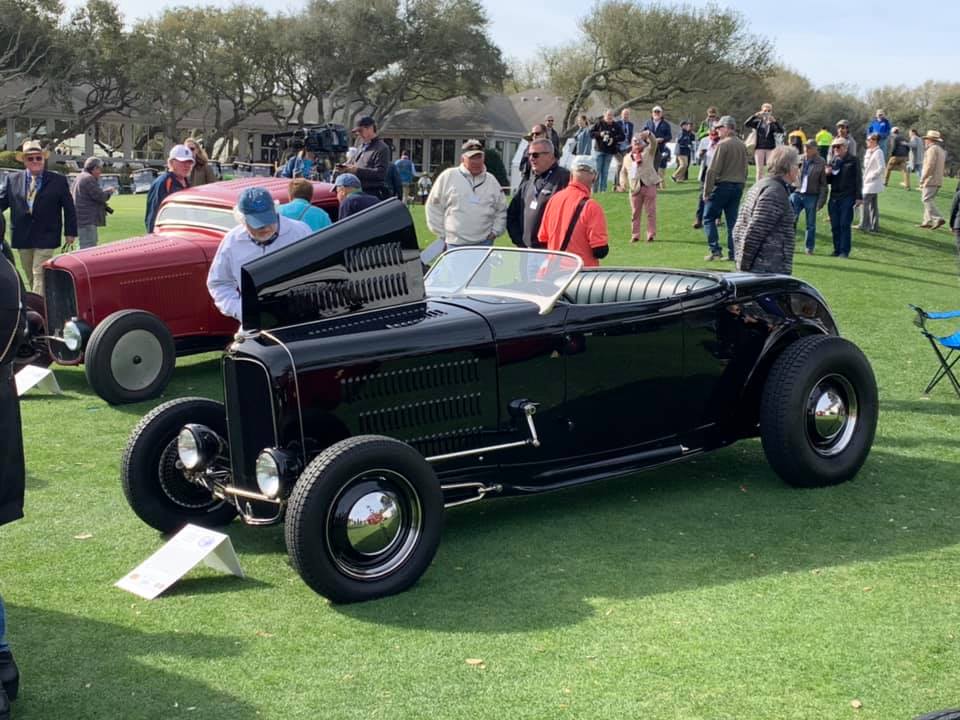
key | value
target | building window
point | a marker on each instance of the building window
(498, 146)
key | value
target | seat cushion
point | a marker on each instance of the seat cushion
(607, 286)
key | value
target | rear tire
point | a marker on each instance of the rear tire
(364, 519)
(818, 411)
(155, 488)
(130, 357)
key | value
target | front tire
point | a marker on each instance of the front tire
(364, 519)
(156, 489)
(130, 357)
(818, 412)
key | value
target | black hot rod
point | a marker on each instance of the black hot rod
(362, 396)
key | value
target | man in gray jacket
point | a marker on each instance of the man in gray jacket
(811, 193)
(91, 202)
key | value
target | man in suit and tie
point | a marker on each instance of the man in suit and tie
(41, 210)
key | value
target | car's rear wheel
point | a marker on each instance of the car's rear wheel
(364, 519)
(34, 351)
(155, 487)
(818, 411)
(130, 357)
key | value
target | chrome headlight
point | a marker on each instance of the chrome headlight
(75, 334)
(276, 470)
(198, 446)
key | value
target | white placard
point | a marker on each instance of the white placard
(181, 554)
(33, 376)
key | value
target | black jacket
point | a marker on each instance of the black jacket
(766, 132)
(11, 440)
(523, 223)
(846, 179)
(53, 213)
(608, 136)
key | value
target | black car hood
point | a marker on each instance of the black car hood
(367, 261)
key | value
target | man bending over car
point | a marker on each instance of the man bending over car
(261, 231)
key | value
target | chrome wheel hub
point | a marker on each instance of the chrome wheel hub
(136, 360)
(374, 524)
(831, 415)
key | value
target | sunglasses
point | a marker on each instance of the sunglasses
(33, 158)
(535, 155)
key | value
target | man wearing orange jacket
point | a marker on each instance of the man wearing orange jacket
(573, 222)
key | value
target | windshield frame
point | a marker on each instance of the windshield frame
(162, 222)
(544, 303)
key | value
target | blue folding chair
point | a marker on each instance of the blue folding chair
(950, 342)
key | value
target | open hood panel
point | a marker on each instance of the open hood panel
(367, 261)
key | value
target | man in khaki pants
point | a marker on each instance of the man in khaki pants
(934, 157)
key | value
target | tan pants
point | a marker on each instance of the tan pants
(683, 162)
(931, 215)
(760, 159)
(32, 260)
(897, 163)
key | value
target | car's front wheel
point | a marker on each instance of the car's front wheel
(153, 482)
(818, 412)
(364, 519)
(130, 357)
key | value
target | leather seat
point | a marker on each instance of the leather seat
(603, 286)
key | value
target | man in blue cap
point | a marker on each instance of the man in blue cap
(351, 196)
(261, 230)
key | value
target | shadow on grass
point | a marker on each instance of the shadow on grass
(215, 585)
(850, 266)
(73, 667)
(546, 561)
(925, 407)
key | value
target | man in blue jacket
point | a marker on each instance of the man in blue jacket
(660, 129)
(881, 126)
(177, 177)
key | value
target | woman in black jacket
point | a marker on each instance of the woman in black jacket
(607, 135)
(767, 128)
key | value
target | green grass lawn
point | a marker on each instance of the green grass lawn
(703, 590)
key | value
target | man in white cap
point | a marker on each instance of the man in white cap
(466, 205)
(177, 177)
(660, 129)
(261, 230)
(931, 179)
(573, 221)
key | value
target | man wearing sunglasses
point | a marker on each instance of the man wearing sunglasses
(526, 207)
(41, 211)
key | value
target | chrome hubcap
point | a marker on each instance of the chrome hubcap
(374, 524)
(831, 415)
(136, 359)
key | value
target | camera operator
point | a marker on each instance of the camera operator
(91, 202)
(301, 165)
(371, 160)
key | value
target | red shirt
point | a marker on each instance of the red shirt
(590, 230)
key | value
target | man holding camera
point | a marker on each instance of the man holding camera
(91, 202)
(371, 160)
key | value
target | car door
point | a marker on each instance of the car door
(624, 371)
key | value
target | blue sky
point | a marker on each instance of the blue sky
(863, 45)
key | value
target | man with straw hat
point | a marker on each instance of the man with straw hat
(931, 179)
(41, 212)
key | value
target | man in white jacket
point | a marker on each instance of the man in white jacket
(466, 205)
(262, 230)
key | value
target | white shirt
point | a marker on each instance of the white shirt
(236, 249)
(464, 209)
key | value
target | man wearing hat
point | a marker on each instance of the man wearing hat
(352, 199)
(371, 161)
(723, 186)
(91, 202)
(811, 193)
(261, 230)
(846, 192)
(41, 210)
(466, 205)
(660, 129)
(177, 177)
(843, 131)
(931, 179)
(685, 145)
(574, 222)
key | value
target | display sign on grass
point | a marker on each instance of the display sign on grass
(182, 553)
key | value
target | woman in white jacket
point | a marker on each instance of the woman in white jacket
(872, 184)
